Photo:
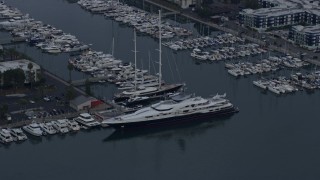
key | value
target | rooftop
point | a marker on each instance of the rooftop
(22, 64)
(81, 99)
(307, 29)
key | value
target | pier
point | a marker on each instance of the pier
(82, 82)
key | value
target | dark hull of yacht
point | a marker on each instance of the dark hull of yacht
(176, 120)
(164, 89)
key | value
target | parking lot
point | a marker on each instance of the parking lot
(45, 102)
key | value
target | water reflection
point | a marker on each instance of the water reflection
(34, 140)
(5, 146)
(180, 131)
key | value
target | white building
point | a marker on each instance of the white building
(184, 3)
(84, 103)
(279, 13)
(21, 64)
(306, 36)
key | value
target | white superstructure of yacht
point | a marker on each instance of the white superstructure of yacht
(47, 128)
(87, 120)
(73, 125)
(61, 125)
(18, 134)
(171, 111)
(33, 129)
(5, 136)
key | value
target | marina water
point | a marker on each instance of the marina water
(271, 138)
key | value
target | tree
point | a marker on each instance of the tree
(12, 53)
(70, 68)
(253, 4)
(3, 111)
(23, 103)
(30, 74)
(70, 93)
(13, 77)
(88, 88)
(1, 79)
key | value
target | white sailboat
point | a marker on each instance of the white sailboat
(150, 91)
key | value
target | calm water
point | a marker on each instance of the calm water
(271, 138)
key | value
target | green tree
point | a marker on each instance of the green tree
(1, 79)
(70, 93)
(3, 111)
(23, 103)
(88, 88)
(70, 68)
(253, 4)
(13, 77)
(30, 74)
(12, 53)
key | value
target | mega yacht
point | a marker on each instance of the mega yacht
(5, 136)
(86, 120)
(61, 125)
(33, 129)
(18, 134)
(174, 111)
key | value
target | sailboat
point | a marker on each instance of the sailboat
(141, 91)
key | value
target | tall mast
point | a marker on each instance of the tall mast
(113, 46)
(135, 60)
(160, 63)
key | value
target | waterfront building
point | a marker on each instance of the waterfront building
(287, 3)
(21, 64)
(84, 102)
(184, 3)
(280, 13)
(305, 36)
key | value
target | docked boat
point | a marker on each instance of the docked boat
(5, 136)
(260, 83)
(171, 111)
(73, 125)
(48, 128)
(18, 134)
(33, 129)
(87, 120)
(61, 125)
(150, 91)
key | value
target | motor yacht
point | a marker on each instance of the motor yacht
(73, 125)
(87, 120)
(5, 136)
(48, 128)
(18, 134)
(174, 111)
(61, 125)
(33, 129)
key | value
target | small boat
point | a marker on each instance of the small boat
(33, 129)
(73, 125)
(18, 134)
(5, 136)
(87, 120)
(61, 125)
(47, 128)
